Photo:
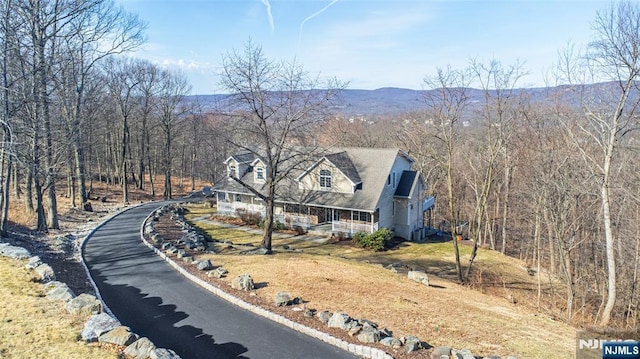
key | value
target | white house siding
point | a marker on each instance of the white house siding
(386, 200)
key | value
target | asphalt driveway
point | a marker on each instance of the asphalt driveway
(146, 294)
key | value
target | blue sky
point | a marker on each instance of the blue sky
(369, 43)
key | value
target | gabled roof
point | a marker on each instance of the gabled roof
(342, 162)
(407, 182)
(242, 157)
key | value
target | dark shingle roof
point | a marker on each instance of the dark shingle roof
(342, 161)
(406, 183)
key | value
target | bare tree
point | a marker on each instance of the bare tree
(173, 87)
(446, 104)
(613, 55)
(277, 104)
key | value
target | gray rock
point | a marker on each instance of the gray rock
(172, 249)
(33, 262)
(440, 351)
(46, 273)
(120, 336)
(391, 342)
(221, 272)
(511, 357)
(355, 330)
(324, 316)
(308, 313)
(181, 253)
(412, 344)
(187, 259)
(140, 349)
(492, 357)
(462, 354)
(60, 291)
(283, 299)
(243, 282)
(166, 246)
(205, 265)
(162, 353)
(14, 252)
(85, 304)
(369, 337)
(418, 276)
(340, 320)
(97, 325)
(369, 334)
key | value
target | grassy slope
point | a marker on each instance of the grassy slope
(337, 277)
(31, 326)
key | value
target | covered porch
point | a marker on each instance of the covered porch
(328, 220)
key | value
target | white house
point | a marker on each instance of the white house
(347, 190)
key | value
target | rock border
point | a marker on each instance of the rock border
(356, 349)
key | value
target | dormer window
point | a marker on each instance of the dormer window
(325, 179)
(260, 173)
(232, 171)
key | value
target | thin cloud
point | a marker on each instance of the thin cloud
(311, 17)
(267, 4)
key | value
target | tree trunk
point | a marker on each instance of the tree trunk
(268, 225)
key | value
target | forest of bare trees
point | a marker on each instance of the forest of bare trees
(546, 175)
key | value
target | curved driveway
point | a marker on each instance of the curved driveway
(146, 294)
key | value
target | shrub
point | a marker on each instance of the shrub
(277, 225)
(375, 241)
(249, 218)
(299, 230)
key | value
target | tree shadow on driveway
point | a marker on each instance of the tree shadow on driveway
(149, 317)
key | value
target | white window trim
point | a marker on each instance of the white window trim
(325, 177)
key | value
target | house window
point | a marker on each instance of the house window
(389, 179)
(232, 171)
(325, 179)
(238, 197)
(360, 216)
(260, 173)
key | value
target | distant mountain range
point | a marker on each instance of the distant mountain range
(389, 100)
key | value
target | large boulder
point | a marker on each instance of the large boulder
(59, 291)
(218, 273)
(120, 336)
(340, 320)
(412, 344)
(440, 352)
(14, 252)
(462, 354)
(324, 316)
(418, 276)
(140, 349)
(84, 304)
(369, 336)
(33, 262)
(46, 273)
(283, 299)
(205, 265)
(391, 342)
(97, 325)
(243, 282)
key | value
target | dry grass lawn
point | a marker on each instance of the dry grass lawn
(32, 327)
(339, 277)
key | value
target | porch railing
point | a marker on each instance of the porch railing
(353, 227)
(229, 208)
(293, 220)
